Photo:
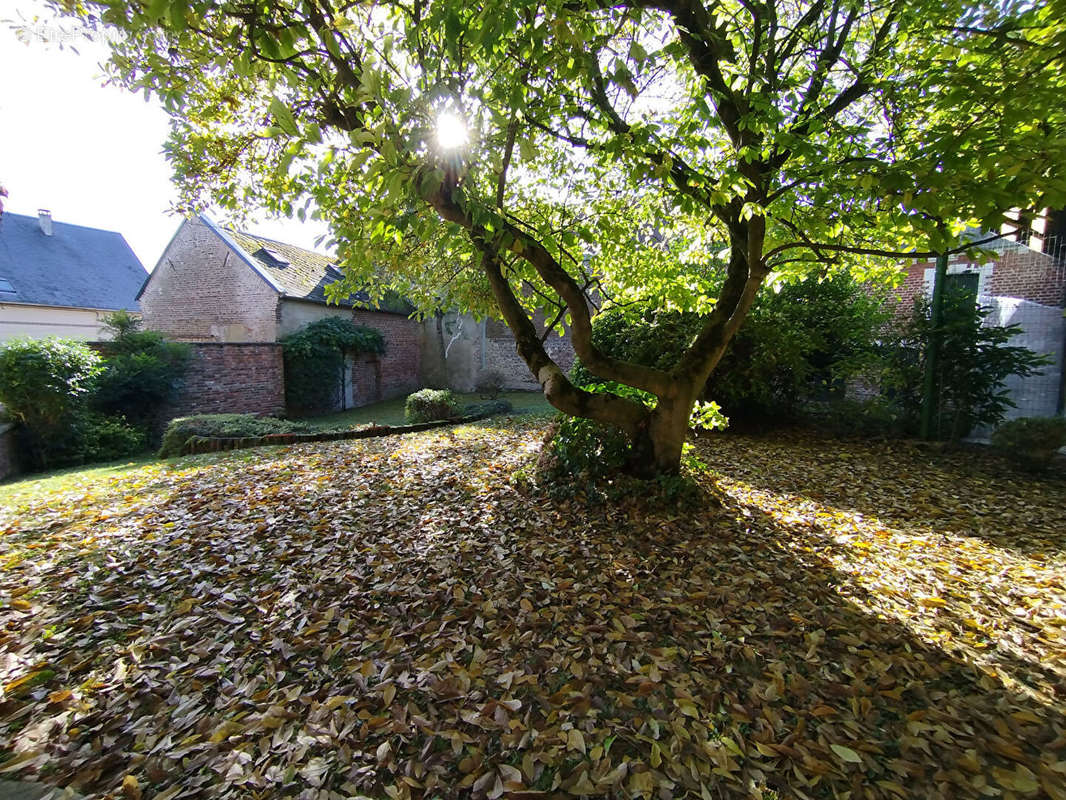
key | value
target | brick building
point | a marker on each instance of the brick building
(1021, 285)
(227, 287)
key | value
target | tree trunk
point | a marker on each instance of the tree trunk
(658, 444)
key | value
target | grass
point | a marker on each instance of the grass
(25, 488)
(81, 477)
(390, 412)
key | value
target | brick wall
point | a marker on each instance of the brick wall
(202, 291)
(1016, 271)
(401, 365)
(232, 377)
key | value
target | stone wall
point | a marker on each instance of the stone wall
(202, 291)
(231, 378)
(458, 352)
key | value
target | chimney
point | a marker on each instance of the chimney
(44, 219)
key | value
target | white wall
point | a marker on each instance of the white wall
(38, 322)
(1042, 332)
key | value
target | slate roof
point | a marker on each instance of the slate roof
(75, 267)
(303, 274)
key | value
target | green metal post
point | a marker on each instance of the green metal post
(932, 357)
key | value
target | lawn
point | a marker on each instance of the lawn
(394, 618)
(390, 412)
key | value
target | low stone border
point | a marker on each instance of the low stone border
(216, 444)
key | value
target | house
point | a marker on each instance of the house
(221, 285)
(58, 279)
(1023, 283)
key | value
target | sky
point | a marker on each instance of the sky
(88, 152)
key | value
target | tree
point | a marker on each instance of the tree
(555, 154)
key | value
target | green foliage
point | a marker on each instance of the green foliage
(490, 384)
(181, 429)
(975, 360)
(587, 459)
(643, 146)
(142, 373)
(875, 417)
(314, 360)
(428, 405)
(1031, 441)
(582, 450)
(488, 408)
(797, 344)
(44, 384)
(103, 438)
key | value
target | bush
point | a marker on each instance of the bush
(428, 405)
(490, 385)
(581, 449)
(108, 438)
(314, 361)
(181, 429)
(488, 408)
(44, 385)
(1031, 441)
(141, 374)
(876, 417)
(974, 362)
(798, 344)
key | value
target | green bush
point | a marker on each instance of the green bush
(141, 374)
(487, 408)
(799, 343)
(181, 429)
(44, 385)
(104, 438)
(1031, 441)
(314, 361)
(975, 360)
(431, 404)
(582, 450)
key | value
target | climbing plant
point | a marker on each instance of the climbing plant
(314, 360)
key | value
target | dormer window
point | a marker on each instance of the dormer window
(272, 257)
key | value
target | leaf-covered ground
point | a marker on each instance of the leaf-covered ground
(391, 618)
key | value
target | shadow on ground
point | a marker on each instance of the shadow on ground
(390, 618)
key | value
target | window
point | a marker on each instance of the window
(271, 257)
(968, 282)
(974, 278)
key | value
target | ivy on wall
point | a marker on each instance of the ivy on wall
(314, 361)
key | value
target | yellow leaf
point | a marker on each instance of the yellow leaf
(389, 694)
(575, 740)
(131, 788)
(846, 753)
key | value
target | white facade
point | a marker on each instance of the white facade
(19, 320)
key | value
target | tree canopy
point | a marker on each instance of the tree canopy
(673, 152)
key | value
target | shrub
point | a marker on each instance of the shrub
(581, 450)
(314, 360)
(104, 438)
(431, 404)
(1031, 441)
(44, 385)
(798, 343)
(490, 385)
(181, 429)
(488, 408)
(975, 360)
(142, 371)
